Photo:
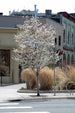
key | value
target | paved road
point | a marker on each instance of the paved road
(47, 106)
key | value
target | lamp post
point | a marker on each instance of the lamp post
(1, 77)
(54, 65)
(38, 82)
(37, 64)
(35, 12)
(54, 72)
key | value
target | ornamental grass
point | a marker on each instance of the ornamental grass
(65, 77)
(46, 78)
(29, 77)
(60, 77)
(69, 71)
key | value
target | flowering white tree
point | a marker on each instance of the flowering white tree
(35, 44)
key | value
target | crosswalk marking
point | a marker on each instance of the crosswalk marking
(13, 106)
(1, 104)
(16, 107)
(10, 106)
(29, 112)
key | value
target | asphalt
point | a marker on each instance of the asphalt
(13, 93)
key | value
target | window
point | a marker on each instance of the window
(55, 41)
(72, 59)
(59, 40)
(64, 59)
(36, 44)
(4, 62)
(68, 59)
(64, 36)
(68, 37)
(72, 38)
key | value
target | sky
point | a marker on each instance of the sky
(42, 5)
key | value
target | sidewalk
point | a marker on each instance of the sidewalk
(9, 93)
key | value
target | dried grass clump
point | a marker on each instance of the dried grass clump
(29, 77)
(60, 78)
(70, 74)
(46, 78)
(64, 76)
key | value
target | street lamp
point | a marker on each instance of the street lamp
(1, 77)
(35, 13)
(38, 82)
(54, 72)
(37, 47)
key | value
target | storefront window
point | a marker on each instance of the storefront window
(4, 62)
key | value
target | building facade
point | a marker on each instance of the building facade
(59, 36)
(68, 23)
(9, 69)
(6, 63)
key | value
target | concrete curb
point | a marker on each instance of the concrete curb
(39, 98)
(45, 91)
(47, 94)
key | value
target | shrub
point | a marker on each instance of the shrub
(22, 88)
(57, 82)
(29, 77)
(46, 78)
(59, 88)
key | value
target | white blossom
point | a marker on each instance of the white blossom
(35, 44)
